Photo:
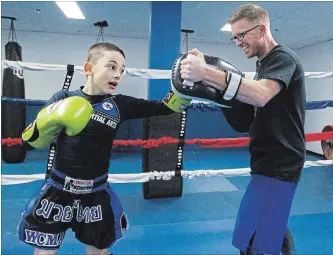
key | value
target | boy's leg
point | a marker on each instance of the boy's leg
(104, 226)
(45, 252)
(44, 222)
(91, 250)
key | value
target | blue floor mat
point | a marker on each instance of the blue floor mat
(200, 222)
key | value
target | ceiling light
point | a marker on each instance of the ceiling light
(71, 10)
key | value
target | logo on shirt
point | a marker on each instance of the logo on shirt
(107, 106)
(107, 113)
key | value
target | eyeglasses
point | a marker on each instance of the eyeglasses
(241, 36)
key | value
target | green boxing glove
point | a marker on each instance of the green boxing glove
(175, 102)
(71, 114)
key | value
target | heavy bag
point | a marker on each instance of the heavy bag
(13, 113)
(164, 158)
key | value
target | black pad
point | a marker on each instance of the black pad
(163, 158)
(239, 117)
(13, 114)
(200, 90)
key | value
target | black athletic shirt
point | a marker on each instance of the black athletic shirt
(87, 155)
(277, 140)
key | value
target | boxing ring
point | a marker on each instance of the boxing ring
(202, 220)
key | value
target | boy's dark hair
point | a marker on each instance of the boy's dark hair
(96, 51)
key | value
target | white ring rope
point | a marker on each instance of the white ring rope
(136, 72)
(142, 177)
(8, 179)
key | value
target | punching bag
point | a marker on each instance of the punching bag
(13, 114)
(166, 157)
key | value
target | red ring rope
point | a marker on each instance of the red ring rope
(211, 143)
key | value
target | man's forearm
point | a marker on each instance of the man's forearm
(214, 77)
(250, 91)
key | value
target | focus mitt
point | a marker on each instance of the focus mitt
(204, 92)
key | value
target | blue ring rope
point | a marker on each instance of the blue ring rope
(311, 105)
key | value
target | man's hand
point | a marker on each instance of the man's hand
(202, 77)
(192, 67)
(196, 52)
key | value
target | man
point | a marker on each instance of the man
(84, 123)
(273, 111)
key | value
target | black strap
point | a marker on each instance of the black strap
(12, 32)
(65, 87)
(69, 77)
(181, 143)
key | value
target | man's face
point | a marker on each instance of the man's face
(251, 41)
(108, 71)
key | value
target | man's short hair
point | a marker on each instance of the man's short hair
(249, 12)
(96, 51)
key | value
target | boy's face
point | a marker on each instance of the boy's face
(108, 71)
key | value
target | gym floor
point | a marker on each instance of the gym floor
(200, 222)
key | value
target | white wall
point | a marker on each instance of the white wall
(232, 54)
(318, 58)
(50, 48)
